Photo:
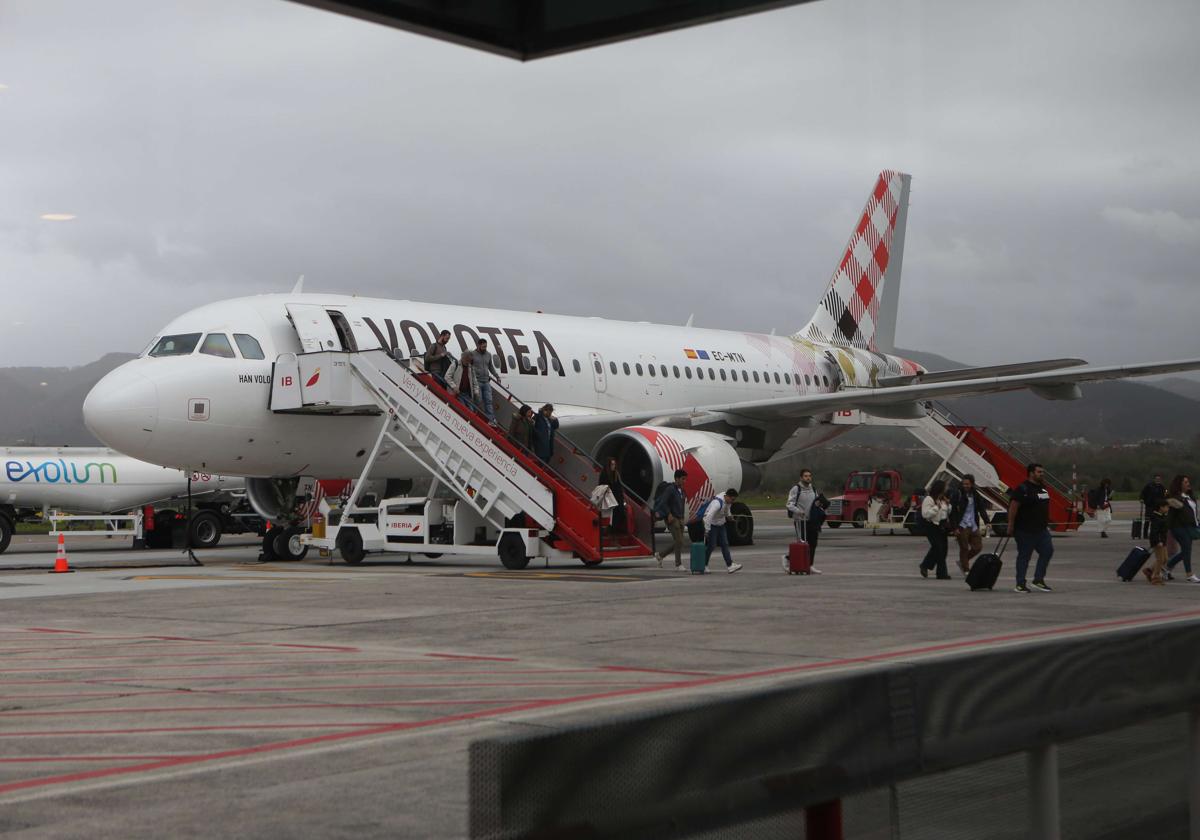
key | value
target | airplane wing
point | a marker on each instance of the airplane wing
(981, 372)
(896, 401)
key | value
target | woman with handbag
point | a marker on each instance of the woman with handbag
(1182, 520)
(935, 514)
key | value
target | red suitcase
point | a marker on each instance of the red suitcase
(797, 561)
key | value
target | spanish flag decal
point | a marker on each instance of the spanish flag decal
(691, 354)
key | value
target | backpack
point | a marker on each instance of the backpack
(660, 499)
(698, 518)
(796, 487)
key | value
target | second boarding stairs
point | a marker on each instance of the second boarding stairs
(965, 449)
(504, 482)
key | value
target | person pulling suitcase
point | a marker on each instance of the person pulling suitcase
(986, 568)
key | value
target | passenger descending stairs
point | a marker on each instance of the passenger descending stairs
(473, 458)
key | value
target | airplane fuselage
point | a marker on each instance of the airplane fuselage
(582, 365)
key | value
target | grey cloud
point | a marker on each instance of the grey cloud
(220, 148)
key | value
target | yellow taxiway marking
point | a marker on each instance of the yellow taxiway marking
(547, 576)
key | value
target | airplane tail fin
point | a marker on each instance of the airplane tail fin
(859, 307)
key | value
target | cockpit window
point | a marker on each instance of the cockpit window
(146, 350)
(249, 346)
(176, 345)
(217, 344)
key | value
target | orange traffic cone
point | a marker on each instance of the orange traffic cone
(60, 560)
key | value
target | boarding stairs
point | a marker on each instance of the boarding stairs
(966, 449)
(504, 482)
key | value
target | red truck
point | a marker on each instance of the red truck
(863, 490)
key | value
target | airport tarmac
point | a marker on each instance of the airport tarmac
(317, 699)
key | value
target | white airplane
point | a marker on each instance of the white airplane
(95, 480)
(718, 403)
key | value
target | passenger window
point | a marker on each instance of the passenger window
(826, 379)
(612, 366)
(512, 364)
(574, 364)
(625, 367)
(675, 370)
(249, 346)
(722, 374)
(787, 378)
(638, 368)
(217, 344)
(687, 371)
(176, 345)
(557, 365)
(755, 377)
(807, 381)
(712, 374)
(597, 366)
(776, 377)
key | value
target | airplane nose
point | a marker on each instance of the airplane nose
(122, 410)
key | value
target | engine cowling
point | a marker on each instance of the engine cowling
(274, 499)
(648, 455)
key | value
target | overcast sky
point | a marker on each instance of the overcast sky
(214, 148)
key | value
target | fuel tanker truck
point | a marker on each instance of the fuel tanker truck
(95, 480)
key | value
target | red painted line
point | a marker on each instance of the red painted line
(550, 703)
(254, 689)
(51, 630)
(45, 758)
(57, 733)
(345, 674)
(150, 710)
(464, 656)
(180, 655)
(216, 664)
(623, 668)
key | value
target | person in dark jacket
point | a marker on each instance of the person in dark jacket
(544, 427)
(437, 357)
(1029, 524)
(1101, 502)
(1152, 492)
(1181, 519)
(967, 509)
(1158, 540)
(521, 427)
(611, 475)
(672, 504)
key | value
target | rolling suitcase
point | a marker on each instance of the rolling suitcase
(1133, 563)
(699, 558)
(1141, 526)
(797, 561)
(986, 568)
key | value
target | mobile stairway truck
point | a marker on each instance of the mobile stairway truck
(488, 495)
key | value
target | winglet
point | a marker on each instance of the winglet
(299, 287)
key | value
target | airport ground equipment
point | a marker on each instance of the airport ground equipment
(965, 449)
(98, 480)
(487, 492)
(868, 495)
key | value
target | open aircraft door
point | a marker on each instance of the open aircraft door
(314, 327)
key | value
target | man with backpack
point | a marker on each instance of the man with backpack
(670, 503)
(715, 533)
(800, 501)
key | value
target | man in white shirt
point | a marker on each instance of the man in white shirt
(714, 529)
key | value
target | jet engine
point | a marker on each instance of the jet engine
(274, 499)
(648, 455)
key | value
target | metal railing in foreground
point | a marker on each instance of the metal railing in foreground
(727, 765)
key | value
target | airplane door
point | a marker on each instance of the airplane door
(314, 327)
(598, 376)
(654, 386)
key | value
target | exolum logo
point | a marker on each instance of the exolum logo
(59, 471)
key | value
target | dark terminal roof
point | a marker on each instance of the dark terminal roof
(527, 29)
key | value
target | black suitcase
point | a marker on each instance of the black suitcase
(1136, 558)
(986, 568)
(1141, 525)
